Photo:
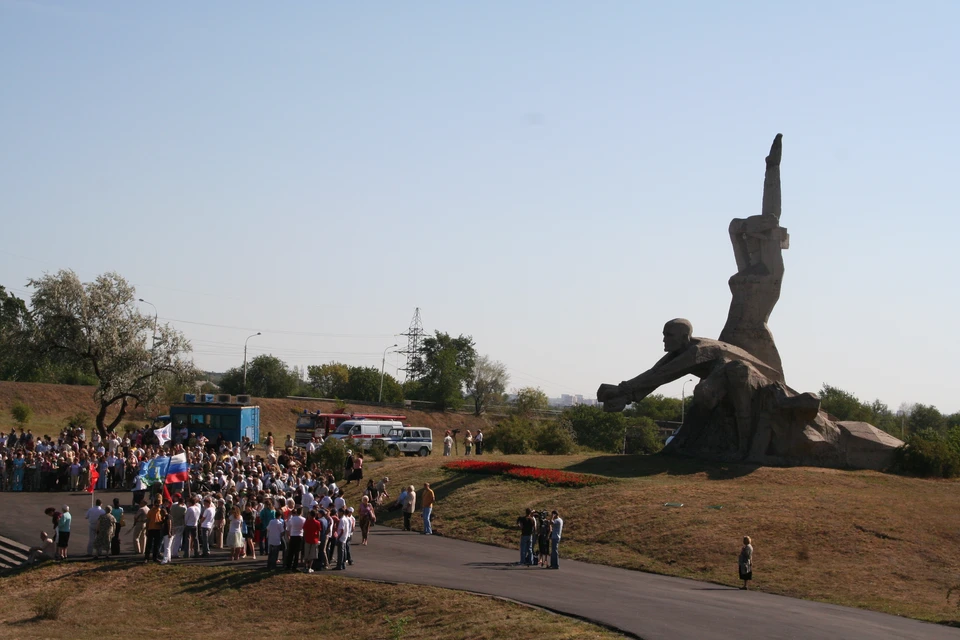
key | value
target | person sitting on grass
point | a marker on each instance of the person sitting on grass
(44, 552)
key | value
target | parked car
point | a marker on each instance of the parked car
(411, 441)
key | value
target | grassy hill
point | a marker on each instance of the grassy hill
(53, 403)
(856, 538)
(108, 599)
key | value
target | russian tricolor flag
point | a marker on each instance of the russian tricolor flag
(178, 470)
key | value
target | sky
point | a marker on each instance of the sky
(554, 179)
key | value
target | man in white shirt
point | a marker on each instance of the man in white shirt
(343, 532)
(556, 529)
(93, 515)
(291, 557)
(447, 444)
(190, 521)
(478, 442)
(308, 500)
(274, 541)
(339, 504)
(346, 542)
(206, 526)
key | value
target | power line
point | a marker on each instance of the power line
(281, 331)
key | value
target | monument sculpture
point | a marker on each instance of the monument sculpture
(742, 408)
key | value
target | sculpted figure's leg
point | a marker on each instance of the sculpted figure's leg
(742, 384)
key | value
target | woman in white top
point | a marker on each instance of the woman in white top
(235, 534)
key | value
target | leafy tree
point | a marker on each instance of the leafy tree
(488, 382)
(364, 385)
(554, 438)
(442, 368)
(924, 417)
(514, 435)
(529, 401)
(845, 406)
(16, 362)
(596, 429)
(642, 436)
(97, 325)
(332, 455)
(658, 407)
(21, 413)
(267, 377)
(329, 379)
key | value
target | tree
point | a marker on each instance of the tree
(15, 327)
(926, 417)
(658, 407)
(442, 368)
(364, 385)
(488, 382)
(267, 377)
(21, 413)
(596, 429)
(529, 401)
(98, 326)
(329, 379)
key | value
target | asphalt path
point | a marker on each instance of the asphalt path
(641, 604)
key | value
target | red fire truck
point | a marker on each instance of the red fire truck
(320, 425)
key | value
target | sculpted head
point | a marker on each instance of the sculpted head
(676, 335)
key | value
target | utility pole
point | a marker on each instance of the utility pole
(683, 400)
(383, 366)
(245, 360)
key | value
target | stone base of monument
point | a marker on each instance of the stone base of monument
(779, 427)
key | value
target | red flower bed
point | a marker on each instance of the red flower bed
(555, 477)
(479, 466)
(549, 477)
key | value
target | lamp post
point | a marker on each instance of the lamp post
(245, 360)
(153, 348)
(683, 399)
(383, 365)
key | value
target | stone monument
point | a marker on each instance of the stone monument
(742, 408)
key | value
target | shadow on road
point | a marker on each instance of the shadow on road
(637, 466)
(441, 489)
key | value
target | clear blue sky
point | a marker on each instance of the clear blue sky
(553, 178)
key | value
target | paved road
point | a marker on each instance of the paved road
(649, 606)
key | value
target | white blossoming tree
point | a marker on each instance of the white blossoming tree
(97, 325)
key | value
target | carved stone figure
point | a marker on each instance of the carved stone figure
(742, 408)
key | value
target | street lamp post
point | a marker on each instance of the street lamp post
(683, 400)
(153, 348)
(245, 360)
(383, 365)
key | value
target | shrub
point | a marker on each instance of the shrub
(47, 605)
(554, 438)
(514, 435)
(378, 450)
(21, 413)
(80, 420)
(643, 437)
(927, 454)
(333, 455)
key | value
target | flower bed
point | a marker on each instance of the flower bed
(549, 477)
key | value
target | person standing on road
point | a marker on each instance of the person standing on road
(745, 561)
(63, 533)
(291, 557)
(117, 512)
(367, 517)
(206, 526)
(527, 526)
(409, 504)
(311, 541)
(178, 514)
(274, 536)
(426, 501)
(105, 526)
(140, 527)
(478, 442)
(190, 521)
(556, 529)
(93, 517)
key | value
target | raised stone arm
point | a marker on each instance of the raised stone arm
(669, 368)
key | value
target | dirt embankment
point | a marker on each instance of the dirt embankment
(52, 404)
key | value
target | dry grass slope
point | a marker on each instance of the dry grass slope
(52, 404)
(112, 600)
(856, 538)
